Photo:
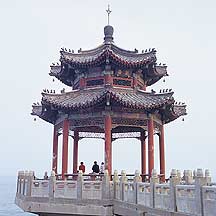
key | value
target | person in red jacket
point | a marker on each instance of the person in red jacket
(82, 167)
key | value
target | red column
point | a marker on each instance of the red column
(75, 151)
(162, 153)
(135, 83)
(108, 143)
(150, 145)
(55, 150)
(143, 153)
(65, 147)
(108, 79)
(82, 83)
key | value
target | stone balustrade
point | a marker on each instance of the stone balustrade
(143, 194)
(209, 199)
(39, 188)
(185, 198)
(162, 197)
(188, 194)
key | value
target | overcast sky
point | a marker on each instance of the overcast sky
(32, 33)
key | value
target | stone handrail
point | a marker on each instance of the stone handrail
(209, 199)
(188, 194)
(185, 198)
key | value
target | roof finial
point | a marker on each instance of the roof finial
(108, 13)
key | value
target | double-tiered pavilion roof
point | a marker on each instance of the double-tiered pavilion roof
(75, 65)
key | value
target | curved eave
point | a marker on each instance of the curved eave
(107, 46)
(153, 80)
(113, 55)
(134, 52)
(57, 72)
(130, 98)
(41, 112)
(158, 72)
(72, 100)
(174, 112)
(36, 110)
(82, 99)
(112, 58)
(108, 52)
(143, 100)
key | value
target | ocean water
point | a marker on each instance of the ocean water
(7, 197)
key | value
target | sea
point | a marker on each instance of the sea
(7, 198)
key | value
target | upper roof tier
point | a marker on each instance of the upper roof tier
(109, 53)
(107, 58)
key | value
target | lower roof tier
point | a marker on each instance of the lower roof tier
(81, 101)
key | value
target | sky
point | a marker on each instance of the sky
(31, 35)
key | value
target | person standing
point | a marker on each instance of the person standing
(102, 168)
(95, 167)
(82, 167)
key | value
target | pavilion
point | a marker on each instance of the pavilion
(109, 99)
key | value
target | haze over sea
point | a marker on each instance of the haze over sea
(7, 196)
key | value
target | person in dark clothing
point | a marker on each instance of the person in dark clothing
(95, 168)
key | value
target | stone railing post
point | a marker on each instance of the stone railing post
(188, 177)
(29, 183)
(115, 183)
(79, 185)
(21, 179)
(194, 174)
(137, 178)
(200, 181)
(179, 174)
(153, 180)
(25, 179)
(52, 185)
(18, 183)
(106, 185)
(207, 177)
(123, 181)
(174, 180)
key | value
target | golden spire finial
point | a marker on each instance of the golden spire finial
(108, 13)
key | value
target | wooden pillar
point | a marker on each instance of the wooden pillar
(150, 145)
(75, 151)
(55, 150)
(108, 75)
(108, 143)
(108, 79)
(143, 152)
(162, 153)
(135, 83)
(65, 147)
(82, 83)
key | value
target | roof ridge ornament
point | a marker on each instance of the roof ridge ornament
(108, 13)
(108, 29)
